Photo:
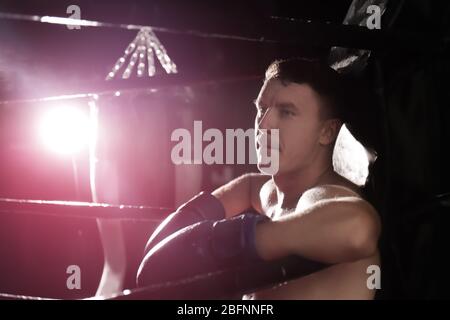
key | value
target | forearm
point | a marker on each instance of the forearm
(224, 250)
(241, 193)
(330, 232)
(235, 195)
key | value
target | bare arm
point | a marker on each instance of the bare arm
(241, 193)
(334, 227)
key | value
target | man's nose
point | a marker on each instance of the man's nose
(267, 120)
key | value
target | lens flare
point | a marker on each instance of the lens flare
(65, 130)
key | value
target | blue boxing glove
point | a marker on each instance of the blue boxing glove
(202, 248)
(202, 207)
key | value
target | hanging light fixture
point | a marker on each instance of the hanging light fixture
(141, 52)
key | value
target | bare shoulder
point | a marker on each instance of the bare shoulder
(335, 187)
(342, 193)
(328, 191)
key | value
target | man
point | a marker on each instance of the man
(314, 212)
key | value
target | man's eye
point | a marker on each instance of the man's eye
(286, 113)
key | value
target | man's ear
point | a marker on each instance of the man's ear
(330, 131)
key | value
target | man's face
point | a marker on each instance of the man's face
(293, 109)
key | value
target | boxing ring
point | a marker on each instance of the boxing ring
(230, 283)
(223, 284)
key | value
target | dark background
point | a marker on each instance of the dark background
(404, 118)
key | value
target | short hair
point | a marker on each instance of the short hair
(325, 81)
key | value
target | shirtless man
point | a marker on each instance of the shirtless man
(315, 213)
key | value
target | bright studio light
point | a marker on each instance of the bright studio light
(65, 130)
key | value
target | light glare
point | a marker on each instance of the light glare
(65, 130)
